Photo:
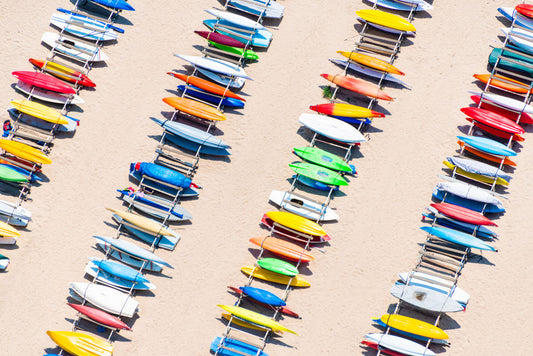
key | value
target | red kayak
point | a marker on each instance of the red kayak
(524, 119)
(384, 351)
(220, 39)
(462, 214)
(495, 132)
(358, 86)
(63, 72)
(206, 85)
(525, 9)
(289, 233)
(493, 119)
(44, 81)
(283, 310)
(100, 316)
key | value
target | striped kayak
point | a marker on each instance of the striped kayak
(195, 108)
(288, 250)
(371, 61)
(386, 19)
(487, 145)
(202, 95)
(358, 86)
(457, 237)
(345, 110)
(81, 344)
(318, 173)
(274, 277)
(255, 318)
(245, 53)
(83, 27)
(39, 111)
(63, 72)
(144, 224)
(369, 72)
(224, 346)
(24, 151)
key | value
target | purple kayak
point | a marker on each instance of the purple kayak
(220, 39)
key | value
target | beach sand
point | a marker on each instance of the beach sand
(376, 237)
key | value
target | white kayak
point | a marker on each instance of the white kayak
(105, 298)
(129, 260)
(215, 65)
(469, 191)
(510, 14)
(478, 167)
(516, 36)
(510, 103)
(301, 206)
(234, 83)
(155, 211)
(14, 210)
(107, 278)
(403, 5)
(425, 298)
(236, 19)
(4, 262)
(266, 8)
(443, 286)
(95, 53)
(48, 95)
(332, 128)
(83, 27)
(369, 71)
(191, 133)
(8, 240)
(133, 250)
(399, 344)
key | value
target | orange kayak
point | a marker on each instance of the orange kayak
(515, 85)
(358, 86)
(206, 85)
(486, 156)
(371, 62)
(195, 108)
(283, 248)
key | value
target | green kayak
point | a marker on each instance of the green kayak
(248, 54)
(11, 175)
(318, 173)
(278, 266)
(322, 158)
(515, 67)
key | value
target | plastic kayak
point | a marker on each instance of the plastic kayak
(439, 194)
(358, 86)
(83, 27)
(475, 176)
(297, 223)
(462, 214)
(77, 50)
(371, 61)
(278, 266)
(143, 223)
(202, 95)
(259, 38)
(346, 110)
(206, 85)
(100, 316)
(81, 344)
(120, 270)
(39, 111)
(115, 4)
(323, 158)
(487, 145)
(162, 174)
(265, 295)
(486, 104)
(426, 298)
(493, 119)
(525, 9)
(301, 206)
(220, 39)
(191, 133)
(331, 128)
(502, 82)
(413, 326)
(168, 242)
(48, 95)
(258, 272)
(403, 6)
(10, 175)
(478, 167)
(110, 279)
(399, 344)
(369, 72)
(230, 347)
(255, 318)
(133, 250)
(386, 19)
(215, 65)
(457, 237)
(195, 147)
(24, 151)
(245, 53)
(44, 81)
(63, 72)
(288, 250)
(318, 173)
(195, 108)
(486, 156)
(495, 132)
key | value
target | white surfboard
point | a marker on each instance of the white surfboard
(106, 298)
(50, 39)
(302, 206)
(458, 293)
(48, 95)
(399, 344)
(425, 298)
(216, 65)
(236, 19)
(469, 191)
(332, 128)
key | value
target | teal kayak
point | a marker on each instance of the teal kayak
(515, 67)
(323, 158)
(278, 266)
(318, 173)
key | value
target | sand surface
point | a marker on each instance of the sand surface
(377, 235)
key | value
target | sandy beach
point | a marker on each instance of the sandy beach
(376, 237)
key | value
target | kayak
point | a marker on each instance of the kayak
(510, 14)
(475, 176)
(413, 326)
(278, 266)
(264, 295)
(224, 346)
(439, 194)
(283, 248)
(264, 8)
(245, 53)
(216, 65)
(495, 132)
(133, 250)
(493, 119)
(258, 37)
(301, 206)
(331, 128)
(510, 103)
(63, 72)
(487, 145)
(220, 39)
(39, 111)
(44, 81)
(119, 270)
(517, 65)
(154, 205)
(191, 133)
(525, 9)
(195, 108)
(436, 283)
(115, 4)
(7, 230)
(323, 158)
(462, 214)
(486, 156)
(426, 298)
(345, 110)
(144, 224)
(100, 316)
(386, 19)
(399, 344)
(258, 272)
(83, 27)
(24, 151)
(471, 192)
(478, 167)
(318, 173)
(206, 85)
(502, 82)
(75, 49)
(371, 61)
(113, 280)
(457, 237)
(403, 5)
(48, 95)
(195, 147)
(81, 344)
(297, 223)
(376, 74)
(255, 318)
(162, 174)
(358, 86)
(204, 96)
(10, 175)
(486, 104)
(478, 230)
(129, 260)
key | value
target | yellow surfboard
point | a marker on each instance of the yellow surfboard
(255, 318)
(145, 224)
(81, 344)
(371, 62)
(386, 19)
(39, 111)
(24, 151)
(414, 326)
(8, 230)
(475, 176)
(274, 277)
(296, 222)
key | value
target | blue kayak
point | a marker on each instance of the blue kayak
(353, 120)
(227, 347)
(192, 146)
(466, 203)
(166, 242)
(163, 188)
(261, 38)
(487, 145)
(32, 177)
(108, 278)
(457, 237)
(509, 13)
(481, 231)
(115, 4)
(263, 296)
(162, 174)
(314, 183)
(210, 98)
(119, 270)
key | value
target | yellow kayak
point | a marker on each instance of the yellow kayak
(8, 230)
(244, 323)
(386, 19)
(296, 222)
(145, 224)
(475, 176)
(255, 318)
(414, 326)
(274, 277)
(39, 111)
(81, 344)
(24, 151)
(371, 62)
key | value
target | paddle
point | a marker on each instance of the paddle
(118, 29)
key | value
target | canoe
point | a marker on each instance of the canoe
(369, 72)
(195, 147)
(220, 39)
(206, 85)
(159, 241)
(402, 6)
(318, 173)
(39, 111)
(413, 326)
(510, 103)
(462, 214)
(323, 158)
(520, 64)
(225, 346)
(95, 53)
(495, 132)
(259, 37)
(81, 344)
(110, 279)
(283, 248)
(493, 119)
(143, 223)
(278, 266)
(301, 206)
(9, 175)
(216, 65)
(128, 259)
(261, 294)
(24, 151)
(457, 237)
(399, 344)
(100, 317)
(487, 156)
(510, 14)
(115, 4)
(239, 20)
(274, 277)
(156, 206)
(296, 223)
(105, 298)
(371, 61)
(44, 81)
(133, 250)
(204, 96)
(48, 95)
(346, 110)
(62, 72)
(255, 318)
(524, 118)
(386, 19)
(245, 53)
(525, 9)
(487, 145)
(478, 167)
(83, 27)
(475, 176)
(331, 128)
(451, 198)
(14, 211)
(162, 174)
(425, 298)
(358, 86)
(471, 192)
(502, 82)
(264, 8)
(195, 108)
(436, 283)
